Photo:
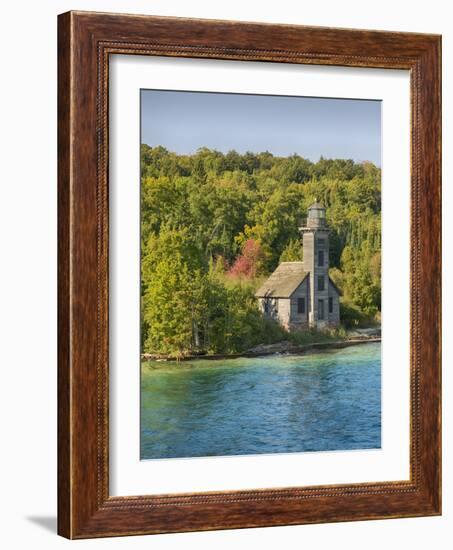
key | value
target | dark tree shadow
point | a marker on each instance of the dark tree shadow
(49, 523)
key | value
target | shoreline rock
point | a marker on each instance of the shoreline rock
(263, 350)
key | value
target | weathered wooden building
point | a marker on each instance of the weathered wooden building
(301, 294)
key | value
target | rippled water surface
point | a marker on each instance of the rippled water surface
(275, 404)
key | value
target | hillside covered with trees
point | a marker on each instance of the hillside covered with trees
(214, 225)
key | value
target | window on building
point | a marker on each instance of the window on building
(321, 242)
(266, 306)
(321, 286)
(320, 310)
(321, 258)
(330, 304)
(300, 305)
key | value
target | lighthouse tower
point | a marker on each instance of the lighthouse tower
(315, 240)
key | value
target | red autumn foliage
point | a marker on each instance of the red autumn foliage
(248, 263)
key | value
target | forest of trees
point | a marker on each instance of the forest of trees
(214, 225)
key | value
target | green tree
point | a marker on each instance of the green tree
(293, 251)
(199, 211)
(169, 304)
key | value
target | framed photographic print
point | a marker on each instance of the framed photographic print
(249, 275)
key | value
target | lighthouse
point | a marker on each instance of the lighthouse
(315, 242)
(301, 294)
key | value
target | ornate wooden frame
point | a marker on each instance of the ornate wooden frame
(85, 41)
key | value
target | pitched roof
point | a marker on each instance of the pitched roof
(283, 281)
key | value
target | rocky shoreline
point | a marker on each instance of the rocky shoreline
(285, 347)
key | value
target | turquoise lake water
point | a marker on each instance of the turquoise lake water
(275, 404)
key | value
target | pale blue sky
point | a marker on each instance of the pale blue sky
(334, 128)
